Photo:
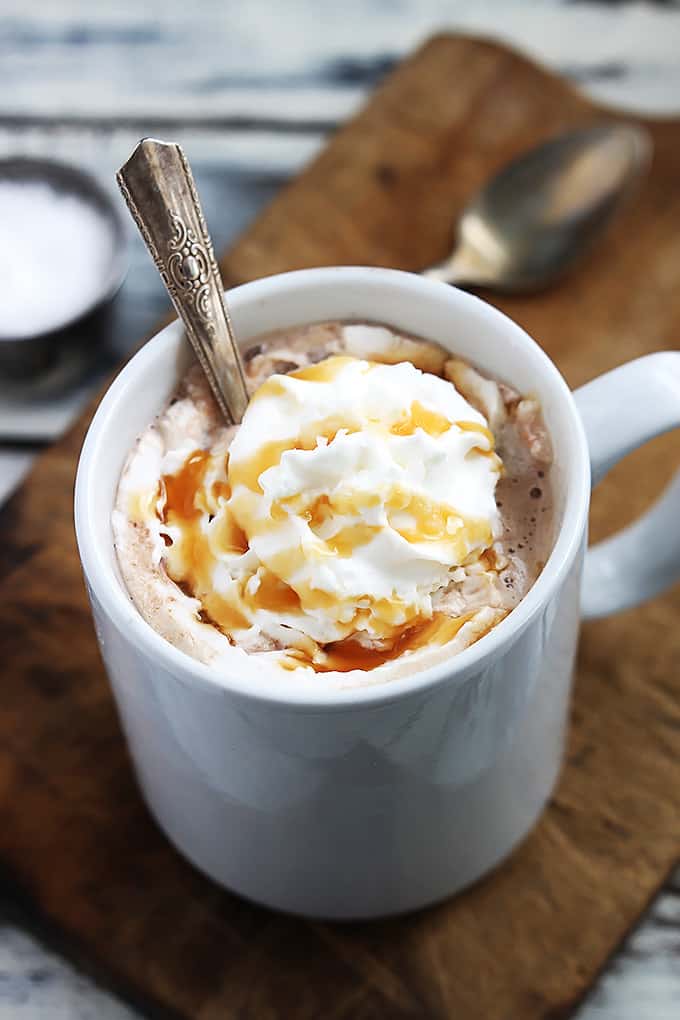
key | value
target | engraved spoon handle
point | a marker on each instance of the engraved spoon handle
(160, 192)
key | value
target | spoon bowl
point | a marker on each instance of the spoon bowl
(533, 220)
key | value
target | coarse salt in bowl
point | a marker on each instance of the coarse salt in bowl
(62, 253)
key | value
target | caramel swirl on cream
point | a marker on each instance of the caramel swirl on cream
(348, 498)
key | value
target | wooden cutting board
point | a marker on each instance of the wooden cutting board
(526, 942)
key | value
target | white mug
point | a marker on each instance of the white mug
(378, 799)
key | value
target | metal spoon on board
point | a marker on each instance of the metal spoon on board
(542, 211)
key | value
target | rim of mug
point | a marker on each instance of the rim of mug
(108, 588)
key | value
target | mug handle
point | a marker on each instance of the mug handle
(621, 410)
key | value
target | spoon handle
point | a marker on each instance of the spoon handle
(160, 192)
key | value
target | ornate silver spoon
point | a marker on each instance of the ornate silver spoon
(159, 188)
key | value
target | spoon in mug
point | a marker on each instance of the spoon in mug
(525, 227)
(160, 192)
(533, 220)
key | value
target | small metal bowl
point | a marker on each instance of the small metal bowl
(74, 338)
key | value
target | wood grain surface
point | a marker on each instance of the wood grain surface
(528, 941)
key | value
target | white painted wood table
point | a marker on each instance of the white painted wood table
(251, 89)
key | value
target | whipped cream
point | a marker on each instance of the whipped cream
(379, 483)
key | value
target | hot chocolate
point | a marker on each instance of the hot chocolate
(381, 506)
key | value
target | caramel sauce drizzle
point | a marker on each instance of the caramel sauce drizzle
(181, 488)
(209, 528)
(349, 654)
(420, 417)
(325, 371)
(190, 562)
(474, 426)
